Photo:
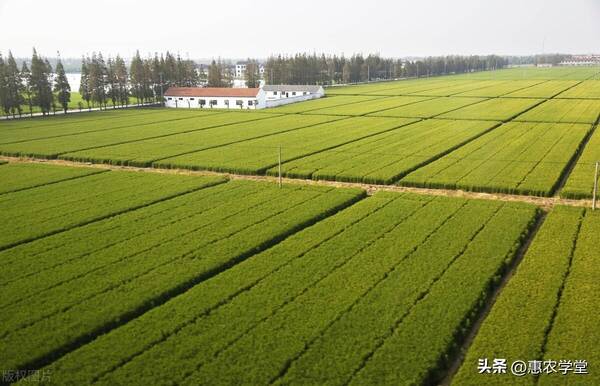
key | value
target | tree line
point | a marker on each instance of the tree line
(37, 85)
(102, 81)
(146, 79)
(333, 69)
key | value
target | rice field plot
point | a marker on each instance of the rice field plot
(586, 89)
(362, 89)
(554, 288)
(24, 130)
(386, 157)
(369, 106)
(516, 158)
(61, 120)
(580, 183)
(144, 152)
(457, 87)
(21, 176)
(257, 155)
(428, 108)
(54, 146)
(408, 258)
(83, 282)
(547, 89)
(425, 86)
(47, 209)
(321, 103)
(564, 110)
(542, 73)
(497, 109)
(500, 89)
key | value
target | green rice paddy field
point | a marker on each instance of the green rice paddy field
(162, 277)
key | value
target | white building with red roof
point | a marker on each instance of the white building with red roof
(215, 98)
(240, 98)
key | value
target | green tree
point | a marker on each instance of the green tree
(252, 74)
(26, 80)
(4, 103)
(122, 81)
(215, 77)
(62, 87)
(84, 89)
(42, 95)
(14, 86)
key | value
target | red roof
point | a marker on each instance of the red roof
(211, 92)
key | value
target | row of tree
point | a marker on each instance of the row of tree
(146, 80)
(36, 86)
(332, 69)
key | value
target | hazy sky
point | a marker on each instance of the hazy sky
(248, 28)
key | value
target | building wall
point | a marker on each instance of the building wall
(284, 101)
(275, 95)
(194, 102)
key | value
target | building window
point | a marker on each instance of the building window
(226, 102)
(274, 92)
(250, 103)
(169, 98)
(239, 102)
(191, 99)
(213, 102)
(180, 99)
(305, 93)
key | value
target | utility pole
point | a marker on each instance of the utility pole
(279, 166)
(595, 185)
(162, 96)
(368, 73)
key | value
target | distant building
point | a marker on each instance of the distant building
(215, 98)
(240, 70)
(240, 98)
(581, 60)
(301, 92)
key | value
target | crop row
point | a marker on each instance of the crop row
(370, 106)
(144, 152)
(586, 89)
(320, 312)
(553, 290)
(581, 180)
(306, 266)
(64, 205)
(385, 157)
(329, 101)
(501, 88)
(134, 338)
(547, 89)
(52, 147)
(521, 158)
(16, 176)
(428, 108)
(59, 308)
(497, 109)
(84, 123)
(564, 110)
(278, 314)
(257, 155)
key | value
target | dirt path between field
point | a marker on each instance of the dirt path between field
(544, 202)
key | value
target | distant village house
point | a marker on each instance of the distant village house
(239, 98)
